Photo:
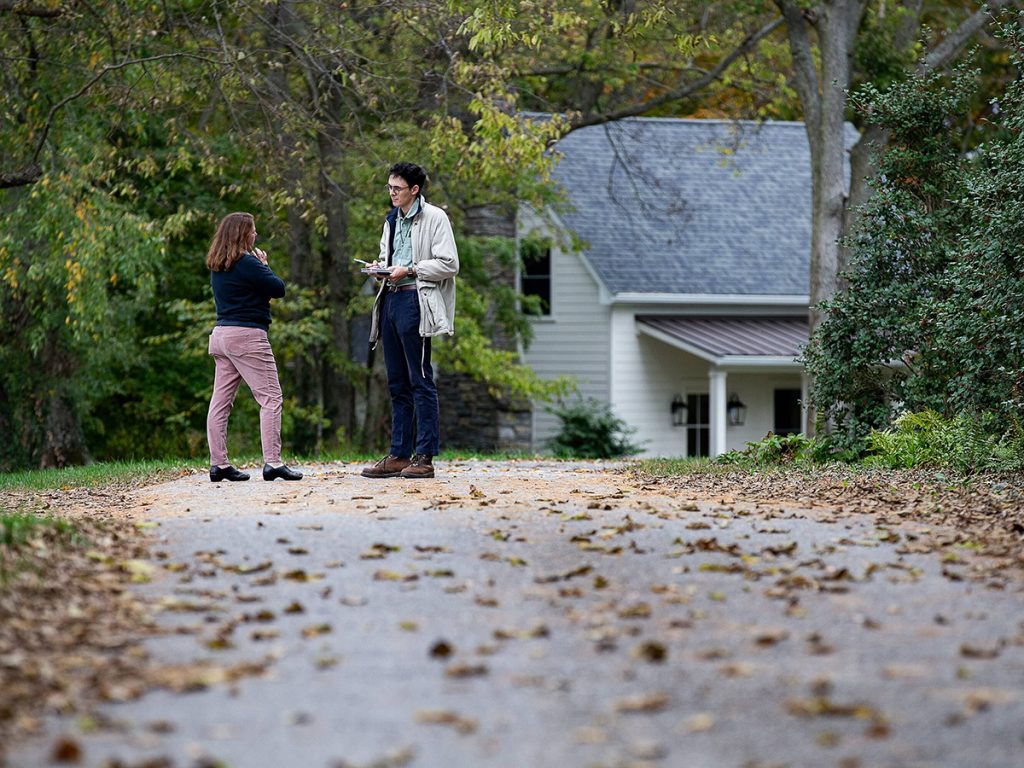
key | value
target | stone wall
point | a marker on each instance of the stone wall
(473, 419)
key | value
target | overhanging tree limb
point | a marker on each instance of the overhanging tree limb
(26, 9)
(682, 92)
(957, 39)
(32, 172)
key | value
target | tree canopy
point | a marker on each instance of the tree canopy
(130, 128)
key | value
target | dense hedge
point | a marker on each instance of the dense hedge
(932, 318)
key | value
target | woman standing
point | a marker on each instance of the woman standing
(243, 286)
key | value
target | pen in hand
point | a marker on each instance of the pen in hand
(375, 270)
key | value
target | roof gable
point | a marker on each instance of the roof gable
(692, 206)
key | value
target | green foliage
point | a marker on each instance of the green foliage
(103, 292)
(496, 26)
(16, 528)
(23, 532)
(965, 443)
(926, 320)
(879, 60)
(78, 269)
(591, 431)
(919, 361)
(97, 474)
(772, 450)
(667, 467)
(584, 57)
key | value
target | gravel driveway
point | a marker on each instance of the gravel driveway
(542, 614)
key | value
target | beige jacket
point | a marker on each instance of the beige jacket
(437, 263)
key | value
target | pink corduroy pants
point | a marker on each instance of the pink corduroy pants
(243, 354)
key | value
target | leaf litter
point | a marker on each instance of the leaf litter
(784, 569)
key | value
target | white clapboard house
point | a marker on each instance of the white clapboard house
(684, 305)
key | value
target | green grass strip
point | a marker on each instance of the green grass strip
(16, 528)
(680, 466)
(93, 475)
(109, 472)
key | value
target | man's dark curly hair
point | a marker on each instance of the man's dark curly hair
(414, 175)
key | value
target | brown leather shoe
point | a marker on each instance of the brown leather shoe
(389, 466)
(421, 467)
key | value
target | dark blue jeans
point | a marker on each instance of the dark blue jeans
(410, 377)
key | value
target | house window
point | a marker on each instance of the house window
(787, 412)
(698, 428)
(535, 278)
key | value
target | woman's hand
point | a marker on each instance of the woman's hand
(260, 254)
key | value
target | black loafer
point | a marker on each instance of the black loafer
(284, 472)
(227, 473)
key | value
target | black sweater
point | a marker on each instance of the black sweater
(243, 293)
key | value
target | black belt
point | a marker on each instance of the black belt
(396, 288)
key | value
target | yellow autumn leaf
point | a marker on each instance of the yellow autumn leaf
(141, 571)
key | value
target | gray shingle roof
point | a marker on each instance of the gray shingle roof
(719, 336)
(692, 206)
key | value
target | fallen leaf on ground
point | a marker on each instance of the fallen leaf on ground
(641, 703)
(463, 725)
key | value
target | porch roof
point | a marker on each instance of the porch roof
(735, 341)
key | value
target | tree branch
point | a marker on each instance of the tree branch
(95, 79)
(569, 69)
(682, 92)
(22, 8)
(957, 39)
(30, 174)
(805, 75)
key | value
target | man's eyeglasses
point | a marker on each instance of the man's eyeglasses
(394, 190)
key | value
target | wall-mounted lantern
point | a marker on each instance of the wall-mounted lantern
(678, 411)
(736, 411)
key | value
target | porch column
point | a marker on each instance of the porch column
(716, 411)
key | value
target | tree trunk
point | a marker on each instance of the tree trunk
(306, 370)
(863, 171)
(339, 394)
(837, 30)
(822, 94)
(63, 443)
(376, 421)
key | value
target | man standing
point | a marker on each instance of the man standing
(414, 303)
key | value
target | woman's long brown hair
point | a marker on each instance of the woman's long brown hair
(230, 241)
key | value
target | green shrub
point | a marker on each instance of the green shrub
(925, 439)
(932, 314)
(591, 431)
(966, 442)
(772, 449)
